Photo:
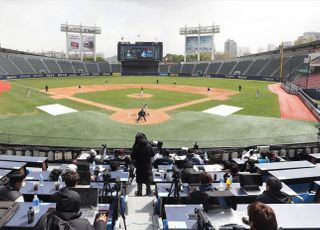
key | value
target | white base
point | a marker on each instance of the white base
(56, 109)
(223, 110)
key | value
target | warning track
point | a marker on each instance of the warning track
(291, 107)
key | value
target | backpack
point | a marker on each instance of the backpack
(50, 221)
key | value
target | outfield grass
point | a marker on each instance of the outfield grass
(257, 123)
(118, 98)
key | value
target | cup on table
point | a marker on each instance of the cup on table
(35, 185)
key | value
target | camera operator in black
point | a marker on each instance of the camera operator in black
(141, 156)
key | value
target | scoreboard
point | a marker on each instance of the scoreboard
(140, 51)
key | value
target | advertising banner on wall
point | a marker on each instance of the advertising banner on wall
(192, 44)
(74, 42)
(88, 43)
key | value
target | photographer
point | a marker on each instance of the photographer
(141, 156)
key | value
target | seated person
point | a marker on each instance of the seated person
(71, 179)
(195, 159)
(262, 158)
(205, 182)
(272, 157)
(261, 217)
(251, 154)
(11, 191)
(122, 157)
(68, 212)
(273, 193)
(232, 170)
(164, 159)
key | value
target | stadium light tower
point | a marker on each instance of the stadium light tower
(80, 43)
(204, 42)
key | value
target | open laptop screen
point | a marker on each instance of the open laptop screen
(89, 196)
(249, 180)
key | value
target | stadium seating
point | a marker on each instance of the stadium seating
(200, 68)
(22, 64)
(272, 65)
(187, 69)
(66, 66)
(256, 67)
(52, 65)
(259, 66)
(213, 68)
(226, 68)
(104, 67)
(313, 81)
(175, 68)
(38, 65)
(79, 66)
(92, 67)
(241, 67)
(116, 68)
(163, 69)
(7, 65)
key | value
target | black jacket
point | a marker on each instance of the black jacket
(8, 194)
(58, 221)
(141, 157)
(271, 197)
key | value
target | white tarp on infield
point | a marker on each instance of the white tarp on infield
(56, 109)
(222, 110)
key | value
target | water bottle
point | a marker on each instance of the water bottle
(221, 183)
(41, 180)
(36, 204)
(93, 165)
(164, 174)
(59, 181)
(230, 180)
(30, 215)
(206, 156)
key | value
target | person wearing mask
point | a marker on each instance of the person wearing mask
(141, 157)
(11, 191)
(273, 193)
(232, 170)
(205, 182)
(67, 213)
(193, 158)
(164, 159)
(261, 217)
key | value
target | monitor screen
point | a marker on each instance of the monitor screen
(142, 51)
(88, 196)
(250, 179)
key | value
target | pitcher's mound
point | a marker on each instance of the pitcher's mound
(138, 95)
(129, 116)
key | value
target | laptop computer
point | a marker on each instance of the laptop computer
(165, 167)
(250, 183)
(89, 202)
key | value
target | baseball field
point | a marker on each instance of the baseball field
(104, 111)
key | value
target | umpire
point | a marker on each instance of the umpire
(141, 114)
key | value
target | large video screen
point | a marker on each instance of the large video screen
(144, 51)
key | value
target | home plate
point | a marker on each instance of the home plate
(222, 110)
(56, 109)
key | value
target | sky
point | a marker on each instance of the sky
(34, 25)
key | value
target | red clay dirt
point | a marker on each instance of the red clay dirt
(129, 116)
(4, 86)
(291, 107)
